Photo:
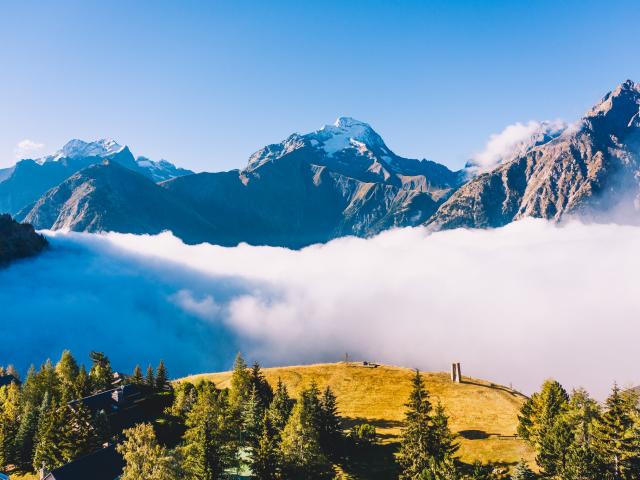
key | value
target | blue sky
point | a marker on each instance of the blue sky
(204, 84)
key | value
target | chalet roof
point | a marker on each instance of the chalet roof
(111, 400)
(105, 464)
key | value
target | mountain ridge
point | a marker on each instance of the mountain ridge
(342, 179)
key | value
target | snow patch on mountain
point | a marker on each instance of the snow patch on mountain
(76, 148)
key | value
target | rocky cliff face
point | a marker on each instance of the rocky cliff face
(591, 170)
(18, 240)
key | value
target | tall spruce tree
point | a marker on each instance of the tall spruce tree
(418, 445)
(240, 383)
(330, 427)
(9, 422)
(137, 378)
(265, 460)
(616, 437)
(210, 445)
(145, 458)
(67, 370)
(445, 446)
(280, 408)
(48, 449)
(263, 389)
(83, 383)
(101, 373)
(252, 417)
(150, 379)
(25, 437)
(300, 445)
(161, 376)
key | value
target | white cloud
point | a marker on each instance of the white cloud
(27, 149)
(514, 305)
(513, 140)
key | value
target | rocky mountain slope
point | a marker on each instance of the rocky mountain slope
(29, 179)
(18, 240)
(591, 170)
(339, 180)
(109, 197)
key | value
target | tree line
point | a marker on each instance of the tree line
(577, 438)
(41, 426)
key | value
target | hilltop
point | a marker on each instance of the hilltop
(482, 413)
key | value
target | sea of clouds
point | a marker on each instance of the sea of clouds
(515, 305)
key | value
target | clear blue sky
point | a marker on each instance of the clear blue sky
(204, 84)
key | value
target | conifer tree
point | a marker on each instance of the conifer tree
(102, 428)
(539, 413)
(252, 417)
(330, 426)
(523, 472)
(67, 370)
(265, 462)
(300, 445)
(137, 378)
(48, 449)
(240, 383)
(280, 408)
(616, 437)
(209, 446)
(150, 379)
(101, 373)
(25, 437)
(83, 384)
(445, 445)
(145, 458)
(9, 422)
(161, 376)
(78, 434)
(418, 444)
(263, 389)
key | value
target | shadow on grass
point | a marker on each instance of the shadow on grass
(370, 462)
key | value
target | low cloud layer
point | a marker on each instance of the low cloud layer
(514, 305)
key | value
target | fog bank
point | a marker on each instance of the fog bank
(514, 305)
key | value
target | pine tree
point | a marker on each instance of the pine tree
(67, 370)
(144, 458)
(25, 437)
(252, 416)
(300, 446)
(48, 448)
(418, 444)
(83, 384)
(9, 422)
(240, 383)
(137, 378)
(445, 445)
(102, 428)
(209, 446)
(330, 425)
(539, 413)
(522, 472)
(616, 438)
(161, 376)
(263, 389)
(101, 373)
(78, 434)
(150, 379)
(265, 463)
(280, 408)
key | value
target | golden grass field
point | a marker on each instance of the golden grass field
(484, 414)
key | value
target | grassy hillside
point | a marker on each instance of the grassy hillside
(483, 414)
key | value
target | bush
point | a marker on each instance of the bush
(363, 434)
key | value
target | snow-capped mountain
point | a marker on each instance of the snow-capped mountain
(76, 148)
(339, 180)
(24, 183)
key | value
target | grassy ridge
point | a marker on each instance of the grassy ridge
(484, 414)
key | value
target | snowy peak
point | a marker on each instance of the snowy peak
(347, 132)
(75, 148)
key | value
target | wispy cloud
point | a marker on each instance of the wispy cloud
(514, 139)
(27, 149)
(514, 305)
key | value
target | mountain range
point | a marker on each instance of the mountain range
(339, 180)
